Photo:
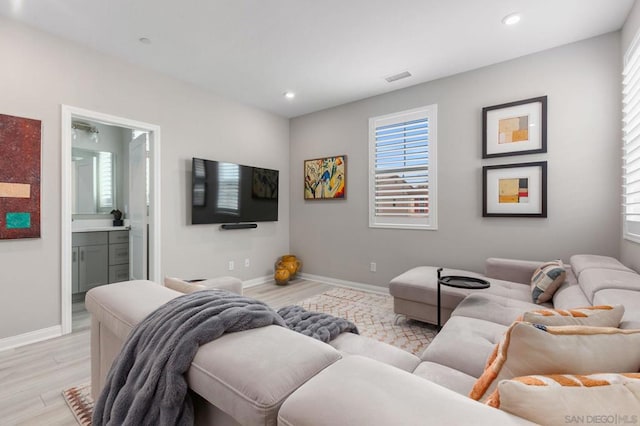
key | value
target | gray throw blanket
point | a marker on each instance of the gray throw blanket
(146, 383)
(321, 326)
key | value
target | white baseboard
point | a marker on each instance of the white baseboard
(257, 281)
(347, 284)
(30, 337)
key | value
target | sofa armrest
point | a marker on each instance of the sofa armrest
(225, 283)
(115, 310)
(518, 271)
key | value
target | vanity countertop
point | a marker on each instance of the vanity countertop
(97, 225)
(101, 228)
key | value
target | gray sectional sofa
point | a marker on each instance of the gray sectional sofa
(458, 355)
(272, 375)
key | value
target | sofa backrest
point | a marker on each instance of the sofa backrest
(570, 294)
(584, 262)
(602, 280)
(595, 273)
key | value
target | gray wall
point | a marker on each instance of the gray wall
(40, 73)
(582, 81)
(630, 251)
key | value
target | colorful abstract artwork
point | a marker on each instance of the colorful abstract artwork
(515, 129)
(515, 190)
(325, 178)
(20, 140)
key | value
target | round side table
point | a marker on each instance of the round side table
(458, 282)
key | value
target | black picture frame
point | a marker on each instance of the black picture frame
(498, 199)
(502, 132)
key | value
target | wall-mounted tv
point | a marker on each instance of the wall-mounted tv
(232, 193)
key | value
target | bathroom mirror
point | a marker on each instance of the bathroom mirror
(93, 181)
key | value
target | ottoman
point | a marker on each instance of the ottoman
(415, 293)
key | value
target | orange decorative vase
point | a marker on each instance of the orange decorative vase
(281, 276)
(286, 268)
(290, 263)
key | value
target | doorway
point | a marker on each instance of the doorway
(142, 164)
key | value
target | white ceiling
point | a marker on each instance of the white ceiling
(328, 52)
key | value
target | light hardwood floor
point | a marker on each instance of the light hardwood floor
(33, 377)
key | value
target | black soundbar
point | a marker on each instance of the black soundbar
(228, 226)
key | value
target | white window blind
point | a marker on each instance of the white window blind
(106, 193)
(631, 142)
(402, 161)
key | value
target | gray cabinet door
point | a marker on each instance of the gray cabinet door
(75, 261)
(94, 266)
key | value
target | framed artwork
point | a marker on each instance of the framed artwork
(325, 178)
(19, 177)
(515, 128)
(515, 190)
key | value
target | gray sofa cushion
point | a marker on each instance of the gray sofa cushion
(519, 271)
(353, 344)
(512, 290)
(498, 309)
(249, 374)
(570, 294)
(445, 376)
(120, 306)
(582, 262)
(464, 344)
(361, 391)
(631, 301)
(595, 280)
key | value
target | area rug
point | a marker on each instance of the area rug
(79, 400)
(371, 312)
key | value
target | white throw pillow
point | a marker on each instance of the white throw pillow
(570, 399)
(527, 349)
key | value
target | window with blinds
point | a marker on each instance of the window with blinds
(631, 142)
(402, 162)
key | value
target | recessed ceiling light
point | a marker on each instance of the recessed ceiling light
(511, 19)
(144, 40)
(289, 95)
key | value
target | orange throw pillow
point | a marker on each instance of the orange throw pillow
(577, 399)
(527, 349)
(594, 316)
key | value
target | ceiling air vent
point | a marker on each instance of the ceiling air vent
(397, 77)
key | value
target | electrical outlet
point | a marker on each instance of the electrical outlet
(373, 267)
(231, 265)
(247, 263)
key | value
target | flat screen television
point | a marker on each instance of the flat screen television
(232, 193)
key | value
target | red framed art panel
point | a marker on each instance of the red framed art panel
(20, 145)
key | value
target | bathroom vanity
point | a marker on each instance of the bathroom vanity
(100, 256)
